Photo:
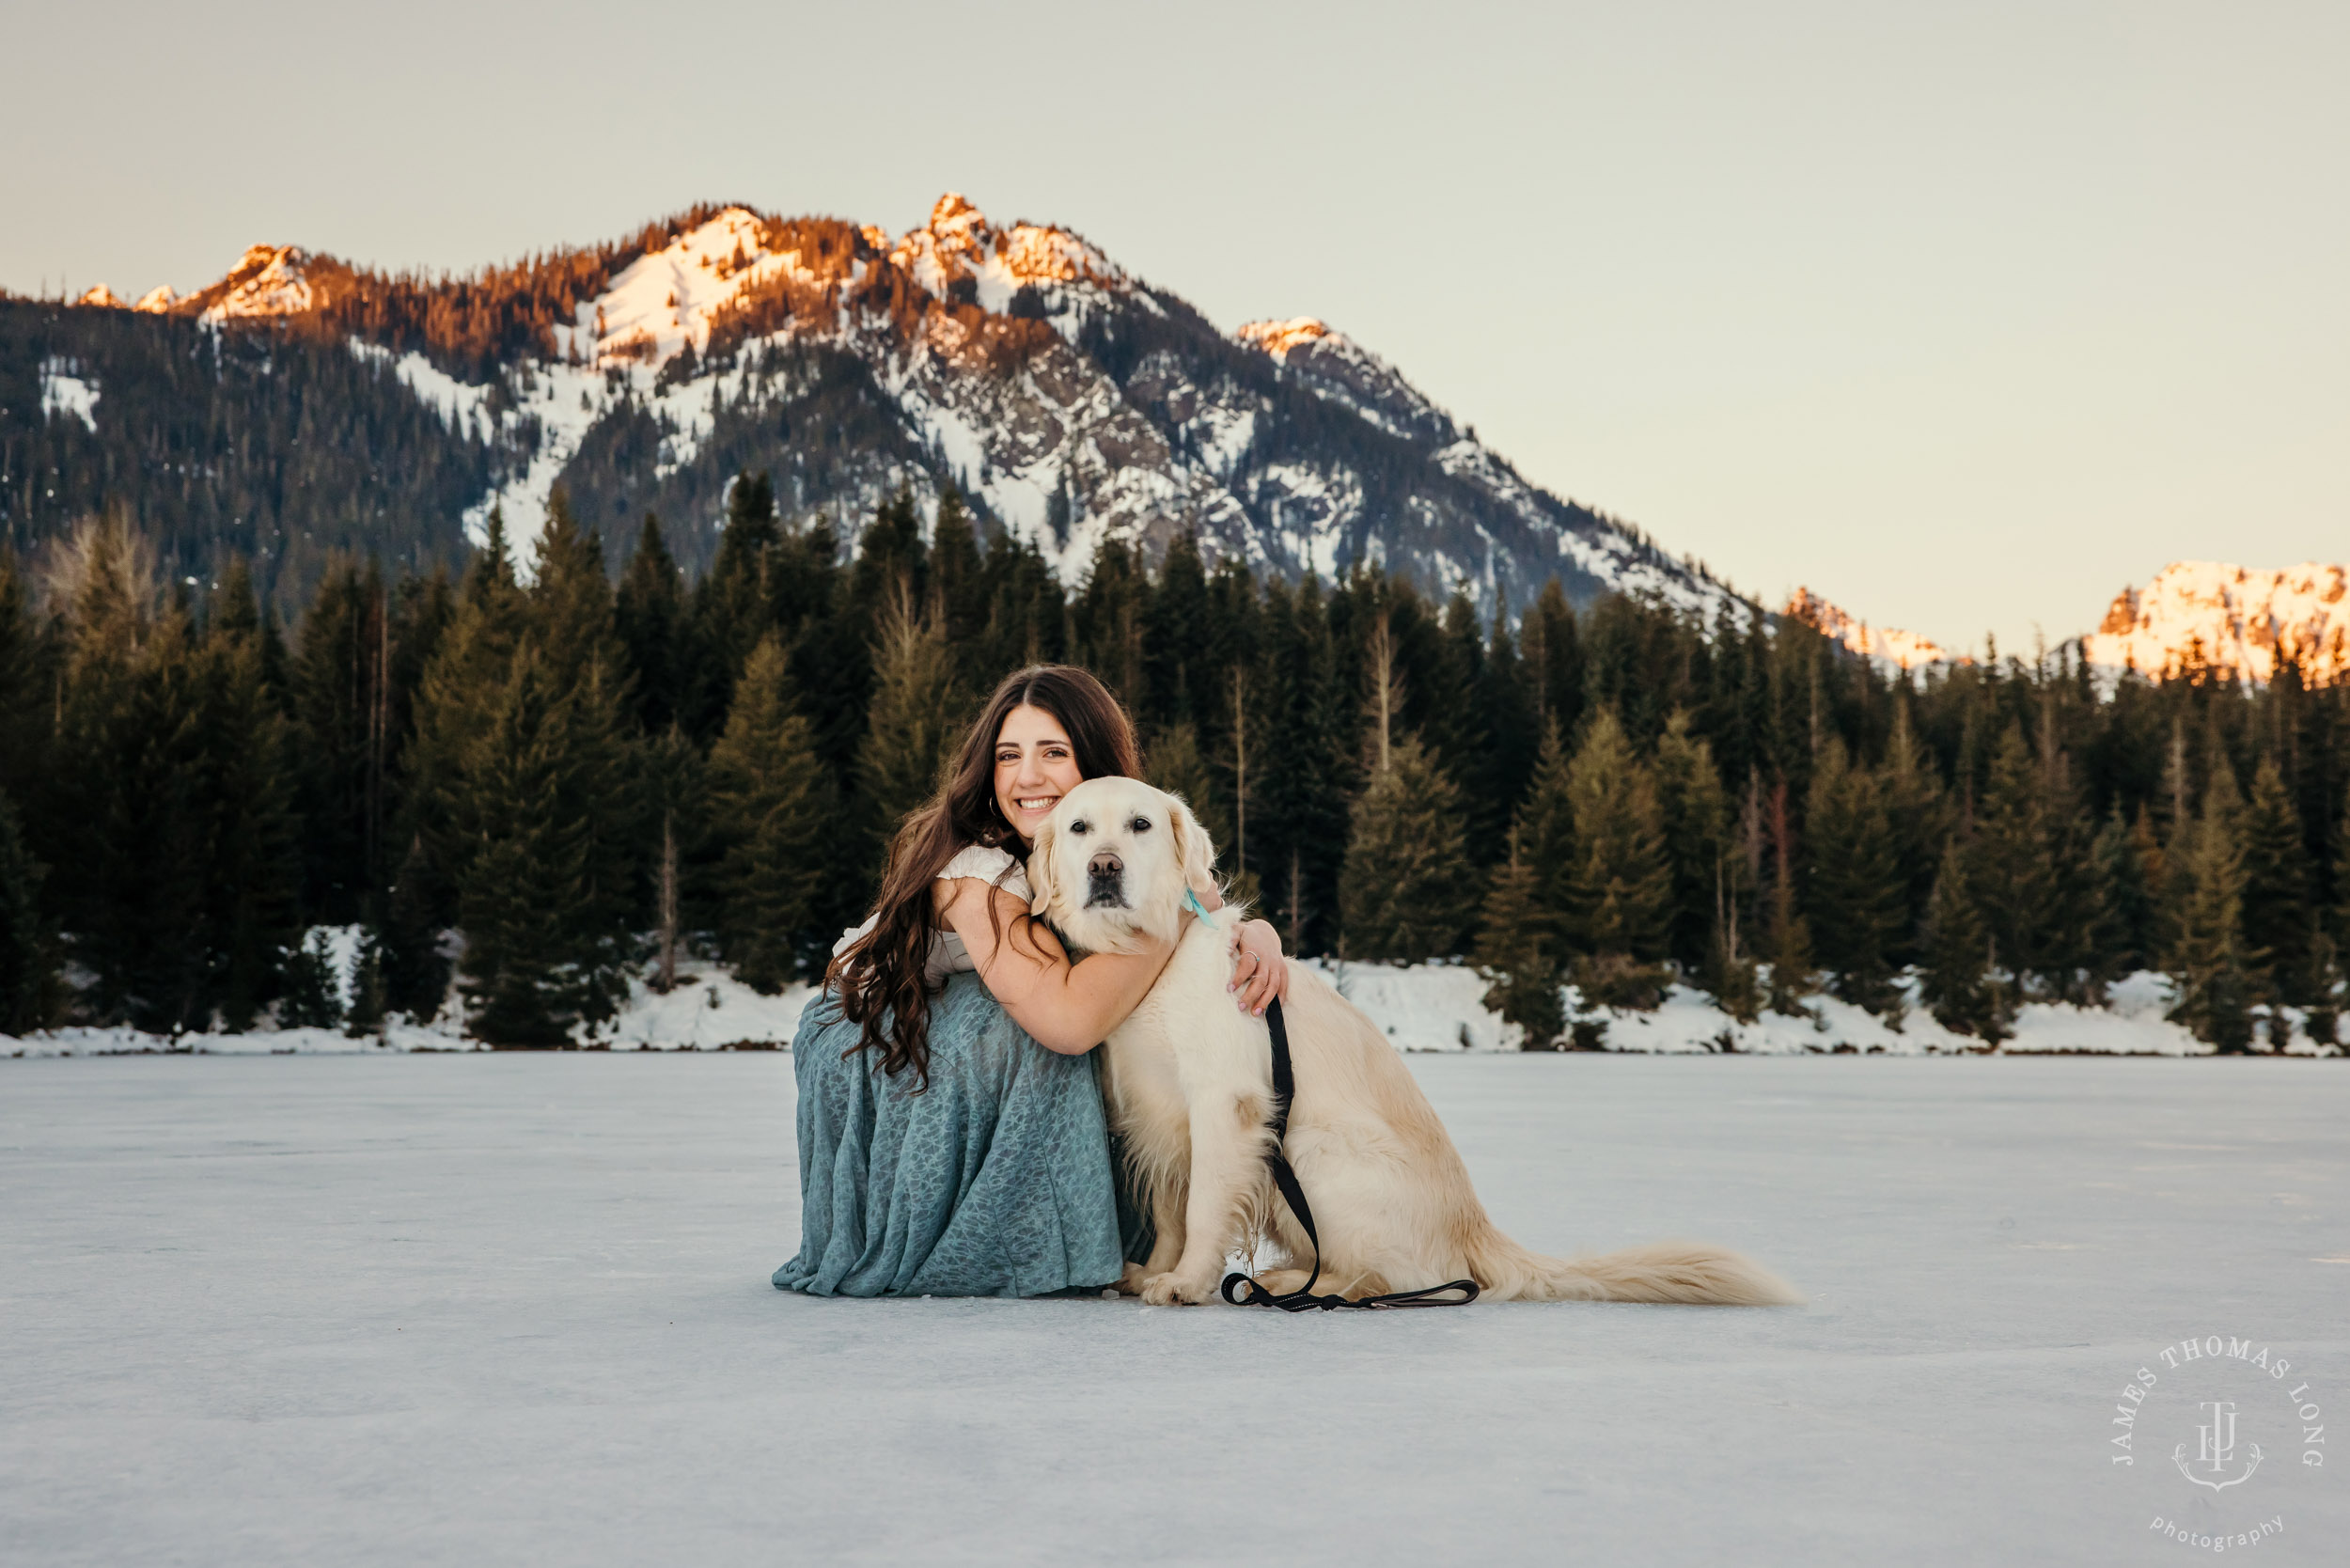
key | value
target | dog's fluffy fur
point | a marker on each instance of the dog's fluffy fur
(1188, 1081)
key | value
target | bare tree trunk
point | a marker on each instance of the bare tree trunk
(379, 728)
(1239, 772)
(1384, 696)
(1297, 914)
(667, 981)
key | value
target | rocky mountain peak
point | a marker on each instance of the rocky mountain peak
(1888, 644)
(1278, 338)
(2216, 614)
(1074, 407)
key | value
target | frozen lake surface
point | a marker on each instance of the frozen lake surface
(434, 1309)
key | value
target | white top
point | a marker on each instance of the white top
(980, 863)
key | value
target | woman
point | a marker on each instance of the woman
(951, 1130)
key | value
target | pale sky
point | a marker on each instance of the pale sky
(1967, 316)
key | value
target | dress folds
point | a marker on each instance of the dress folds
(995, 1180)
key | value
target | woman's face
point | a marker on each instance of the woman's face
(1035, 766)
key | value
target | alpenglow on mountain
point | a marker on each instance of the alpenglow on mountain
(301, 404)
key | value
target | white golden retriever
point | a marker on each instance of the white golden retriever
(1189, 1081)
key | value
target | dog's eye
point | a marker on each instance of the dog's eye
(1079, 829)
(1140, 825)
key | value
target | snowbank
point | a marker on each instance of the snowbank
(710, 1010)
(1420, 1007)
(1441, 1007)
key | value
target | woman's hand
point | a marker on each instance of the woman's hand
(1260, 974)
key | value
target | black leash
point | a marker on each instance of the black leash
(1240, 1290)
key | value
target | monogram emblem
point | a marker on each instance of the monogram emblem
(2216, 1450)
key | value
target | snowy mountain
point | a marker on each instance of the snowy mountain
(1072, 402)
(1890, 644)
(2229, 617)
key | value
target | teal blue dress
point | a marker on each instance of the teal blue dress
(995, 1180)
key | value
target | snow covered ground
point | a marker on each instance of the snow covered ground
(419, 1309)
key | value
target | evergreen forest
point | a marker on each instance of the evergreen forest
(590, 773)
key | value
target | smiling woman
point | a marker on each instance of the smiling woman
(951, 1128)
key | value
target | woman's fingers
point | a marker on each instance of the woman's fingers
(1247, 973)
(1258, 986)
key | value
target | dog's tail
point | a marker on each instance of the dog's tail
(1696, 1273)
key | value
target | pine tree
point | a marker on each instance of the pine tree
(369, 992)
(1172, 762)
(569, 607)
(2276, 892)
(1853, 896)
(1787, 936)
(457, 692)
(544, 893)
(1958, 985)
(415, 972)
(27, 682)
(1694, 811)
(920, 708)
(341, 742)
(682, 866)
(1179, 686)
(2328, 975)
(1406, 893)
(771, 805)
(2077, 937)
(1619, 883)
(127, 748)
(2329, 967)
(1729, 969)
(2208, 962)
(243, 791)
(27, 969)
(958, 574)
(655, 628)
(1298, 823)
(1919, 809)
(1513, 953)
(731, 602)
(1554, 659)
(1514, 731)
(1545, 829)
(2011, 875)
(2128, 861)
(310, 999)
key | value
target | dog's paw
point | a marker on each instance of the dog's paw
(1173, 1289)
(1131, 1282)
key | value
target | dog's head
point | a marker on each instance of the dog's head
(1110, 865)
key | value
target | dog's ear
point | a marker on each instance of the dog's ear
(1040, 871)
(1194, 852)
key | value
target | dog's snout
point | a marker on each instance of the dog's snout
(1105, 881)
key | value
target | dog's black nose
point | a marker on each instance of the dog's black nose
(1104, 864)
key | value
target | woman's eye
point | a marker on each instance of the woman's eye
(1140, 825)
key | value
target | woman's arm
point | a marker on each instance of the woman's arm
(1070, 1008)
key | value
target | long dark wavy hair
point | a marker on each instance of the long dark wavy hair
(878, 976)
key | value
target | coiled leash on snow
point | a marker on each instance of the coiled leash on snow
(1239, 1289)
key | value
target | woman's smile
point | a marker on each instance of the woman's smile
(1035, 766)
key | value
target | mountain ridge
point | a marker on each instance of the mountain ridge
(1077, 406)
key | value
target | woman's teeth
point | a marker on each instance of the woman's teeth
(1043, 805)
